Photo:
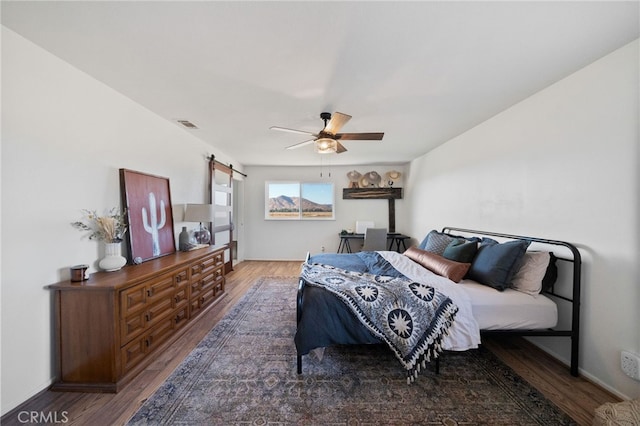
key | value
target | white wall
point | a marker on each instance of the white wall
(562, 164)
(291, 240)
(64, 137)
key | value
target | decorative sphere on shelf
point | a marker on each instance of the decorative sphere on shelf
(202, 235)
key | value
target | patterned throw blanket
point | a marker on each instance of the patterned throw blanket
(412, 318)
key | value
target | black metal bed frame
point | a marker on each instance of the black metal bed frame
(573, 332)
(301, 283)
(576, 260)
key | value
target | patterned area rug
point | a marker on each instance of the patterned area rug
(244, 372)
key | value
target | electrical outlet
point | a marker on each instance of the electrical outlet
(322, 249)
(630, 364)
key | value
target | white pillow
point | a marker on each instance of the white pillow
(529, 278)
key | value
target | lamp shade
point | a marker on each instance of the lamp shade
(199, 213)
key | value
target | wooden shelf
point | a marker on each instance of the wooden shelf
(390, 194)
(371, 193)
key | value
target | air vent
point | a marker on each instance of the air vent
(187, 124)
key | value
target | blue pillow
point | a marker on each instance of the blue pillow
(461, 250)
(495, 264)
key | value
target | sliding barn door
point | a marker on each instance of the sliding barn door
(221, 198)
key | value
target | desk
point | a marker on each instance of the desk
(395, 240)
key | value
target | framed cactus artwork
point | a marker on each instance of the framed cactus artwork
(147, 200)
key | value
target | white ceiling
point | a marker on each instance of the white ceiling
(422, 72)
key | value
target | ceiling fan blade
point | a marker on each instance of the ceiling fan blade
(338, 120)
(300, 132)
(359, 136)
(340, 147)
(300, 144)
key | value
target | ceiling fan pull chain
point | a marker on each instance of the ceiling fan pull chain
(322, 167)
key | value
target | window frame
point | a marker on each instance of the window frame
(297, 189)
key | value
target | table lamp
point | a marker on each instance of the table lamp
(200, 213)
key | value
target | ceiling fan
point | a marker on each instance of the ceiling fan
(327, 140)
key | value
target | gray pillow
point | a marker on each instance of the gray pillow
(495, 264)
(529, 277)
(436, 242)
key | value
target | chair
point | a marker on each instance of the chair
(375, 239)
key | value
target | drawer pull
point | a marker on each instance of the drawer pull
(149, 292)
(178, 278)
(147, 342)
(147, 316)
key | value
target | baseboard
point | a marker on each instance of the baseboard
(585, 374)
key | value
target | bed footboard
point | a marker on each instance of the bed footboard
(301, 284)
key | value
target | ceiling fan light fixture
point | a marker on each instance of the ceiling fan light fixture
(326, 146)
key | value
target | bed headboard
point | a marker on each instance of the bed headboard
(565, 252)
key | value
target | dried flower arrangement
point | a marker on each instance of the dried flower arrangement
(109, 228)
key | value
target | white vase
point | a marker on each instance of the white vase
(113, 259)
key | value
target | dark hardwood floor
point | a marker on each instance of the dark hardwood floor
(575, 395)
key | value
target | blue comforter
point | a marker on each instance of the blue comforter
(410, 317)
(327, 321)
(364, 261)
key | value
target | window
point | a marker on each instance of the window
(299, 201)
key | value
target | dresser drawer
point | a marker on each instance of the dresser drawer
(137, 349)
(213, 290)
(204, 298)
(218, 273)
(200, 284)
(136, 323)
(203, 282)
(219, 285)
(149, 292)
(180, 297)
(204, 267)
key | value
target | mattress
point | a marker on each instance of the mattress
(509, 309)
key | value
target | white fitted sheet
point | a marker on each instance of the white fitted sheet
(509, 309)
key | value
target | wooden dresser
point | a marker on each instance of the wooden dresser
(113, 325)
